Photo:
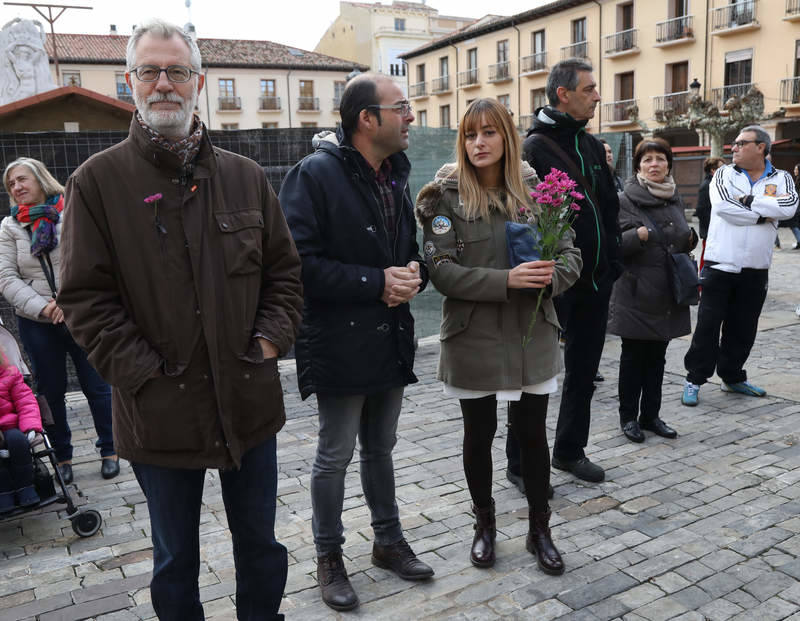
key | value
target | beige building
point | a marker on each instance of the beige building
(645, 53)
(377, 34)
(249, 84)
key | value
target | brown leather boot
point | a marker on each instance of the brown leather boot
(337, 592)
(482, 553)
(541, 545)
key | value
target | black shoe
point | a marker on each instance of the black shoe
(517, 480)
(66, 472)
(400, 558)
(337, 592)
(660, 428)
(110, 468)
(599, 378)
(581, 468)
(632, 431)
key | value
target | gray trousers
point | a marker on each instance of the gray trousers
(373, 419)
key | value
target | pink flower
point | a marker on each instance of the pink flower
(576, 195)
(575, 207)
(153, 198)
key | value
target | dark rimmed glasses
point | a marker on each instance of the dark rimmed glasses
(741, 143)
(175, 73)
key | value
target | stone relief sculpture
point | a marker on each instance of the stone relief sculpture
(24, 65)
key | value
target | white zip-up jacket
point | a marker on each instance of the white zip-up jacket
(739, 235)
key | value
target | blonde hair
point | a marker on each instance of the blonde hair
(473, 195)
(47, 182)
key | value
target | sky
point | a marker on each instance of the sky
(299, 23)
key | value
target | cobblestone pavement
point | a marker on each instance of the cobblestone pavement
(706, 526)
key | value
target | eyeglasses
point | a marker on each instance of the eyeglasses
(741, 143)
(151, 73)
(403, 108)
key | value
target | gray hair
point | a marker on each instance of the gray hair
(565, 73)
(761, 136)
(165, 30)
(46, 181)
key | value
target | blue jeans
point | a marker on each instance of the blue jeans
(373, 419)
(16, 471)
(174, 496)
(47, 346)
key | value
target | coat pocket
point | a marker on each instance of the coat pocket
(241, 233)
(456, 317)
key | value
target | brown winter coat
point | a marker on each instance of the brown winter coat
(483, 321)
(642, 305)
(167, 313)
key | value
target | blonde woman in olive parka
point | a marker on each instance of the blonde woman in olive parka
(487, 309)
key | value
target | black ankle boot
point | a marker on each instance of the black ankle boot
(482, 553)
(541, 545)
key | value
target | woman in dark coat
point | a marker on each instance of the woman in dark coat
(642, 310)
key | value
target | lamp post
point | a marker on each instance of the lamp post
(694, 88)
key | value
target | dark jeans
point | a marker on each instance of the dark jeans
(527, 424)
(583, 315)
(16, 471)
(47, 346)
(731, 303)
(641, 375)
(174, 496)
(373, 419)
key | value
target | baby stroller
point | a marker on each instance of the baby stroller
(85, 522)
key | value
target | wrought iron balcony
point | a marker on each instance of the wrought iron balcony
(675, 29)
(736, 15)
(229, 103)
(308, 104)
(793, 8)
(720, 95)
(440, 85)
(500, 72)
(575, 50)
(677, 103)
(468, 78)
(534, 62)
(618, 111)
(420, 89)
(269, 103)
(790, 91)
(623, 41)
(525, 121)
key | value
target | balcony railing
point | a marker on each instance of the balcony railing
(678, 103)
(125, 98)
(621, 41)
(468, 78)
(420, 89)
(720, 95)
(500, 72)
(269, 103)
(440, 85)
(525, 121)
(534, 62)
(337, 101)
(792, 8)
(308, 103)
(575, 50)
(618, 111)
(736, 15)
(675, 29)
(790, 91)
(229, 103)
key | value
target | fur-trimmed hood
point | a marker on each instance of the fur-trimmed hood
(446, 178)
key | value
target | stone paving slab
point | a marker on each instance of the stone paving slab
(706, 526)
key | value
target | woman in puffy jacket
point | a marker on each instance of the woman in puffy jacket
(642, 309)
(486, 313)
(29, 262)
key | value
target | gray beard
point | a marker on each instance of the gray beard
(172, 124)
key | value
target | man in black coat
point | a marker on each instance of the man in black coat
(350, 212)
(558, 139)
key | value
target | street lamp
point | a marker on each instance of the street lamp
(694, 88)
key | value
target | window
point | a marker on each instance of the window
(269, 125)
(579, 30)
(307, 101)
(502, 51)
(398, 69)
(538, 99)
(444, 116)
(678, 77)
(422, 118)
(227, 88)
(444, 66)
(472, 58)
(338, 91)
(505, 100)
(537, 42)
(230, 126)
(738, 67)
(399, 24)
(123, 90)
(623, 86)
(71, 78)
(308, 124)
(678, 8)
(306, 88)
(420, 73)
(268, 88)
(624, 16)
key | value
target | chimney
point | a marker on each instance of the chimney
(190, 30)
(113, 29)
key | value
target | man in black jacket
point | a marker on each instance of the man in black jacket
(349, 209)
(558, 140)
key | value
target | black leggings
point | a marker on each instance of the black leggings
(527, 422)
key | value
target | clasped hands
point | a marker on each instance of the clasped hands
(531, 275)
(400, 284)
(52, 312)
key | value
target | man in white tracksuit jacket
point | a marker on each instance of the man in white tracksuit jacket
(748, 198)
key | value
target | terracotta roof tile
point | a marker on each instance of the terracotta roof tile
(110, 49)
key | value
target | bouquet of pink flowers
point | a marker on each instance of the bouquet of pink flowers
(556, 198)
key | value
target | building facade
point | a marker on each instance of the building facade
(645, 54)
(248, 84)
(378, 34)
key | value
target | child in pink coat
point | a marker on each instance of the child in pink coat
(20, 421)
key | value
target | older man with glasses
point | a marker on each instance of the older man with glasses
(350, 212)
(181, 281)
(748, 198)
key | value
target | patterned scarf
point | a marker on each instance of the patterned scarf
(185, 148)
(44, 218)
(665, 189)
